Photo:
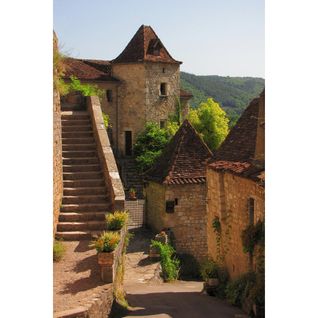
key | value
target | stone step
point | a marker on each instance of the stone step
(78, 199)
(76, 128)
(81, 226)
(76, 122)
(79, 154)
(81, 161)
(83, 140)
(85, 191)
(82, 175)
(83, 167)
(81, 216)
(75, 115)
(84, 183)
(86, 207)
(77, 134)
(74, 235)
(69, 107)
(79, 147)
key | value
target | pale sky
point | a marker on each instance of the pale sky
(211, 37)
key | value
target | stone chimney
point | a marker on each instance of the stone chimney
(260, 135)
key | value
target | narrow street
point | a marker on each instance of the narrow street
(148, 296)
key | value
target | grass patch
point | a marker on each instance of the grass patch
(58, 251)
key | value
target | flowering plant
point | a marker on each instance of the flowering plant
(106, 242)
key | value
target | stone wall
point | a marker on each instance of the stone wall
(160, 107)
(110, 108)
(131, 101)
(228, 196)
(57, 159)
(106, 156)
(189, 220)
(138, 98)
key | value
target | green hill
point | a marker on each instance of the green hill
(232, 93)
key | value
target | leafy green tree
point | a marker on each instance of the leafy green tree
(210, 120)
(149, 145)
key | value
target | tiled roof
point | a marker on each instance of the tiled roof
(145, 46)
(88, 70)
(185, 94)
(237, 152)
(184, 159)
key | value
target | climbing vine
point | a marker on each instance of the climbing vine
(252, 235)
(216, 224)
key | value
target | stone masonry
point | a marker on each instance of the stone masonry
(234, 216)
(57, 160)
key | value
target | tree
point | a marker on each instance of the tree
(210, 120)
(149, 145)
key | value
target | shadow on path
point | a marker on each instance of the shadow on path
(180, 305)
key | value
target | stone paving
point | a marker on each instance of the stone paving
(76, 278)
(148, 296)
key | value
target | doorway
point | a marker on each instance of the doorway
(128, 143)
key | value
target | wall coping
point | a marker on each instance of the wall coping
(106, 154)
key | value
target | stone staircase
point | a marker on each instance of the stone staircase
(131, 177)
(85, 195)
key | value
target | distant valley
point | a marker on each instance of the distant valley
(232, 93)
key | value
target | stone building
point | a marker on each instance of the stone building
(176, 192)
(141, 85)
(236, 187)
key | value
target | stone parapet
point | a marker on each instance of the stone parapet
(106, 155)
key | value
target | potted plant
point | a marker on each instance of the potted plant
(105, 244)
(132, 193)
(117, 220)
(209, 272)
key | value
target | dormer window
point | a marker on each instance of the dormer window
(163, 89)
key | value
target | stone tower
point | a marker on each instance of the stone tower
(149, 89)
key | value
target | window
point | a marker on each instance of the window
(163, 89)
(163, 70)
(251, 204)
(175, 201)
(170, 206)
(109, 95)
(162, 123)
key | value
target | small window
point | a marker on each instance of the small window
(251, 205)
(162, 124)
(163, 70)
(170, 206)
(163, 89)
(109, 95)
(175, 201)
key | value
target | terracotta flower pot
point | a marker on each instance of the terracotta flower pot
(212, 282)
(105, 259)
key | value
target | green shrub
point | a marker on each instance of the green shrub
(106, 242)
(58, 251)
(239, 289)
(105, 119)
(115, 221)
(189, 266)
(170, 265)
(209, 269)
(223, 277)
(149, 145)
(253, 235)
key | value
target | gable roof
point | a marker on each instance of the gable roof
(88, 70)
(183, 160)
(237, 153)
(145, 46)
